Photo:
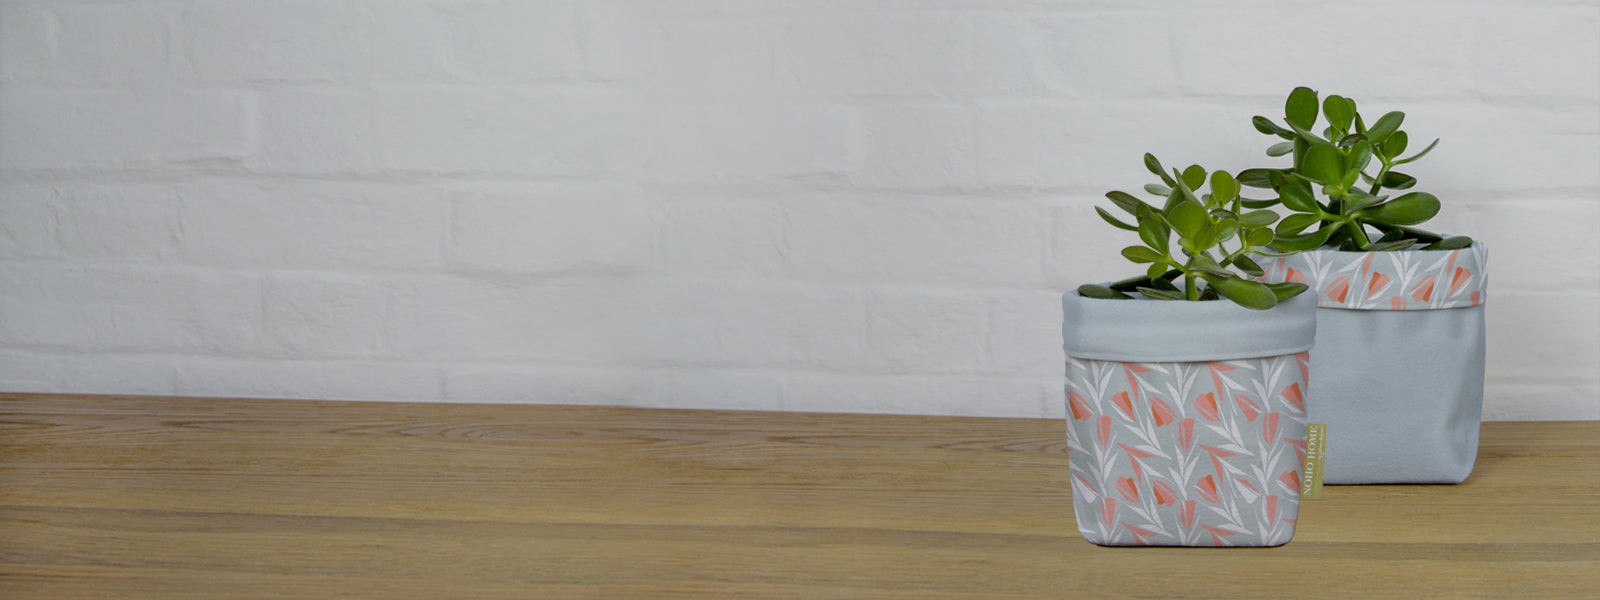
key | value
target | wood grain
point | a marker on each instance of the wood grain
(143, 497)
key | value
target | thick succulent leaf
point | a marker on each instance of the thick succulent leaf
(1142, 254)
(1296, 223)
(1418, 155)
(1339, 112)
(1154, 232)
(1396, 180)
(1265, 125)
(1187, 219)
(1456, 242)
(1194, 177)
(1280, 148)
(1385, 246)
(1395, 145)
(1246, 293)
(1287, 289)
(1296, 196)
(1258, 178)
(1203, 263)
(1358, 200)
(1101, 292)
(1157, 189)
(1258, 218)
(1113, 220)
(1224, 188)
(1300, 109)
(1244, 263)
(1259, 237)
(1128, 203)
(1161, 294)
(1323, 164)
(1386, 125)
(1410, 209)
(1154, 165)
(1301, 243)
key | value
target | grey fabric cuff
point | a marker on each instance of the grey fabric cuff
(1175, 331)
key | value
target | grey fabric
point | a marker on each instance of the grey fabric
(1401, 392)
(1173, 331)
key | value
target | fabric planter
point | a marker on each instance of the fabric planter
(1397, 373)
(1186, 420)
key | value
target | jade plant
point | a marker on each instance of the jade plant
(1357, 210)
(1199, 266)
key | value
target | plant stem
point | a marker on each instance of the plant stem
(1189, 289)
(1358, 234)
(1377, 183)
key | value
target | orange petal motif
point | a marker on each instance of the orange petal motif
(1295, 276)
(1269, 429)
(1292, 394)
(1423, 291)
(1208, 489)
(1217, 534)
(1291, 479)
(1378, 282)
(1207, 405)
(1161, 412)
(1187, 514)
(1339, 289)
(1397, 303)
(1272, 510)
(1186, 434)
(1129, 489)
(1102, 430)
(1108, 511)
(1164, 495)
(1462, 275)
(1080, 410)
(1122, 402)
(1246, 406)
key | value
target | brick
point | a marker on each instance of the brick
(323, 316)
(516, 133)
(25, 48)
(27, 221)
(1553, 148)
(913, 330)
(275, 41)
(1523, 400)
(1096, 145)
(127, 223)
(618, 41)
(920, 394)
(1554, 252)
(922, 53)
(721, 143)
(114, 129)
(116, 374)
(310, 380)
(728, 238)
(725, 323)
(1268, 50)
(929, 240)
(530, 229)
(1538, 53)
(477, 320)
(916, 147)
(315, 131)
(137, 309)
(1024, 337)
(113, 43)
(648, 388)
(27, 371)
(331, 225)
(1084, 249)
(1551, 336)
(1107, 54)
(513, 41)
(709, 58)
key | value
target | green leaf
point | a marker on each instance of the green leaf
(1386, 125)
(1258, 218)
(1390, 245)
(1113, 220)
(1154, 232)
(1226, 229)
(1322, 164)
(1418, 155)
(1339, 112)
(1301, 243)
(1246, 293)
(1127, 202)
(1154, 166)
(1157, 189)
(1279, 149)
(1187, 219)
(1249, 266)
(1194, 177)
(1410, 209)
(1258, 204)
(1296, 223)
(1156, 270)
(1142, 254)
(1351, 140)
(1300, 109)
(1100, 292)
(1203, 263)
(1161, 294)
(1395, 145)
(1296, 196)
(1287, 289)
(1224, 188)
(1358, 200)
(1265, 125)
(1456, 242)
(1259, 237)
(1257, 178)
(1395, 180)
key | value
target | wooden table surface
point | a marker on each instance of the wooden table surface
(175, 498)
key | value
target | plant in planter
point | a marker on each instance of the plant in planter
(1398, 370)
(1185, 385)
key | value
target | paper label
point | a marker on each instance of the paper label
(1316, 452)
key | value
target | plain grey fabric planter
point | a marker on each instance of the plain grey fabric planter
(1398, 370)
(1186, 420)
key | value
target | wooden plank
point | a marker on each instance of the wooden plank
(189, 498)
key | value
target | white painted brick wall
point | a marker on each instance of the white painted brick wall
(830, 205)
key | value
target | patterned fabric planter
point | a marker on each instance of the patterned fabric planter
(1186, 420)
(1397, 373)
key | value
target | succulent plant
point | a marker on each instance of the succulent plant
(1335, 164)
(1202, 222)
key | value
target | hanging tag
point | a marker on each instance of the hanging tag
(1316, 452)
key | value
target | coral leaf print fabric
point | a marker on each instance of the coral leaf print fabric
(1399, 280)
(1186, 454)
